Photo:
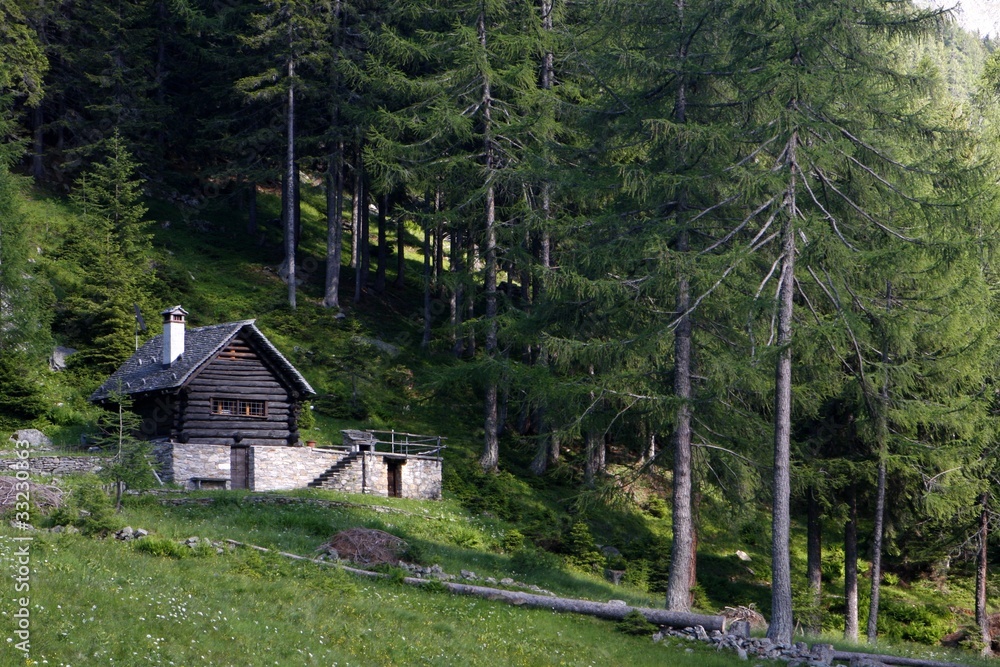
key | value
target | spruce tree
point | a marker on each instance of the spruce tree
(25, 307)
(112, 244)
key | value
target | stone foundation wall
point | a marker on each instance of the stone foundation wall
(422, 478)
(58, 465)
(376, 475)
(349, 480)
(283, 468)
(182, 461)
(277, 468)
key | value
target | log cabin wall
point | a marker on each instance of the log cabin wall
(239, 375)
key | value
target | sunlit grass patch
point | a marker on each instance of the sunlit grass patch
(105, 602)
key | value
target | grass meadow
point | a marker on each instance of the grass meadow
(103, 602)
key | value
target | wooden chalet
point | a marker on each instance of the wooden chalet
(224, 383)
(222, 405)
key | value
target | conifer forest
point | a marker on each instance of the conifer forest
(750, 243)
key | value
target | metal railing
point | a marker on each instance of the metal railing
(408, 444)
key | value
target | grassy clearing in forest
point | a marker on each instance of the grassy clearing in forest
(106, 602)
(437, 532)
(539, 530)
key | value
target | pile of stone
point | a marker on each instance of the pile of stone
(799, 654)
(196, 542)
(437, 572)
(127, 534)
(738, 639)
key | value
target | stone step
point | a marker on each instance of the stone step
(333, 471)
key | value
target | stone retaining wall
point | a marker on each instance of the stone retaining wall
(58, 465)
(181, 462)
(272, 468)
(422, 478)
(284, 468)
(350, 479)
(369, 473)
(277, 468)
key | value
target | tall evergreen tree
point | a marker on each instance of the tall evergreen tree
(112, 245)
(22, 69)
(831, 129)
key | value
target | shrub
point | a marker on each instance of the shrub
(162, 547)
(415, 553)
(579, 541)
(700, 598)
(512, 540)
(924, 624)
(466, 538)
(634, 623)
(307, 419)
(88, 508)
(527, 560)
(659, 575)
(657, 507)
(637, 574)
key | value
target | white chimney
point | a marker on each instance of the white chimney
(173, 334)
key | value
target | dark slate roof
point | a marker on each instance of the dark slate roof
(145, 372)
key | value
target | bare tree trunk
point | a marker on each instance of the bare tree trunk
(540, 463)
(359, 239)
(439, 254)
(693, 567)
(470, 295)
(252, 210)
(426, 340)
(383, 246)
(356, 212)
(490, 458)
(38, 147)
(851, 568)
(297, 194)
(291, 177)
(781, 627)
(876, 570)
(982, 614)
(456, 303)
(334, 227)
(814, 559)
(879, 530)
(400, 252)
(679, 586)
(594, 443)
(366, 231)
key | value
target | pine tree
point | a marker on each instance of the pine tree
(289, 37)
(112, 245)
(831, 127)
(463, 81)
(25, 306)
(128, 465)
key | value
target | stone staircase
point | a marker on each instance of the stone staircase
(331, 478)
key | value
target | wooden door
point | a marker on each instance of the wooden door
(395, 478)
(239, 467)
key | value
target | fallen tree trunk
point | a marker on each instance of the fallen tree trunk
(605, 610)
(892, 660)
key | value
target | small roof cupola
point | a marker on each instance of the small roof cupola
(173, 334)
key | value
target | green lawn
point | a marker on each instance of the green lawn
(105, 602)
